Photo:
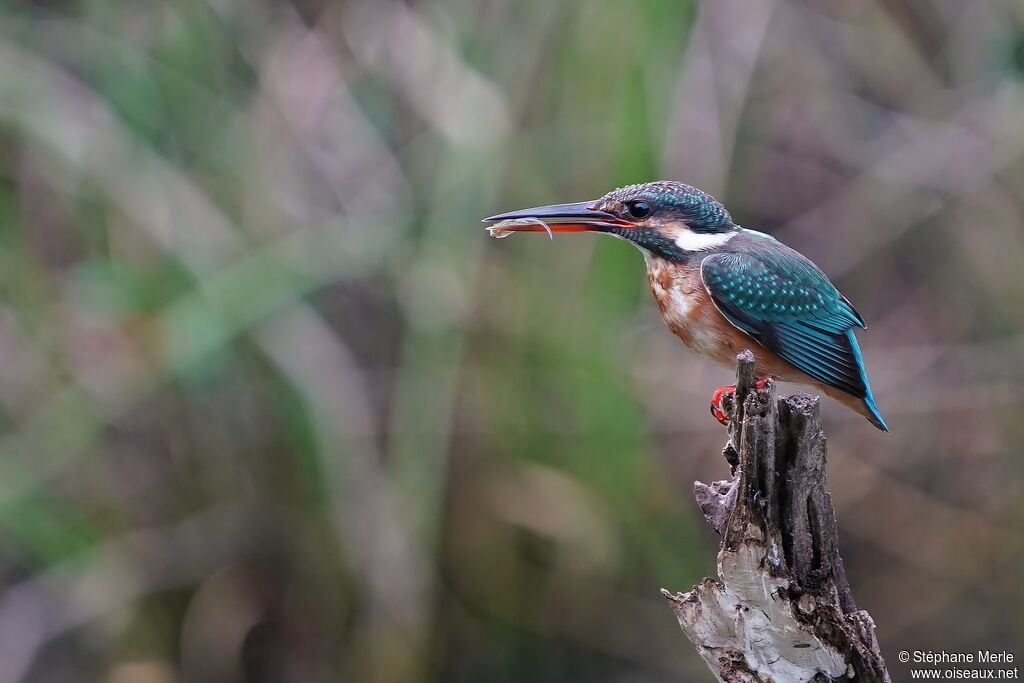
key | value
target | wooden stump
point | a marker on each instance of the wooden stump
(781, 608)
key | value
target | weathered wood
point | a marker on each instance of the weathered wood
(781, 608)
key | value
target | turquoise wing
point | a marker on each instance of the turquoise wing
(789, 306)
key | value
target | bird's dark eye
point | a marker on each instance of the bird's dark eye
(639, 209)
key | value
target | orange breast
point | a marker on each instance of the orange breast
(687, 309)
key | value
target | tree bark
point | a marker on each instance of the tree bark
(781, 608)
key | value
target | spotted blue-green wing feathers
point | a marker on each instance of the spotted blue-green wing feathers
(789, 306)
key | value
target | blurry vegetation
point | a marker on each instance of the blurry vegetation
(274, 408)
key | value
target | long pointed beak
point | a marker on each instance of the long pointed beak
(578, 217)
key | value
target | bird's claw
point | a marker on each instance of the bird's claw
(716, 403)
(718, 410)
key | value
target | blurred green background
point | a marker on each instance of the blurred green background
(274, 407)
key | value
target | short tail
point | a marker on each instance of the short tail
(865, 406)
(872, 414)
(870, 410)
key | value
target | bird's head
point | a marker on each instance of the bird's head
(665, 218)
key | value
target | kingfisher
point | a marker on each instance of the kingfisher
(722, 288)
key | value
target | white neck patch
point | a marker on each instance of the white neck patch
(687, 240)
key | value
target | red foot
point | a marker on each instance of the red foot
(721, 392)
(716, 403)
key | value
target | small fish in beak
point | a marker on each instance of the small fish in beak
(578, 217)
(498, 232)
